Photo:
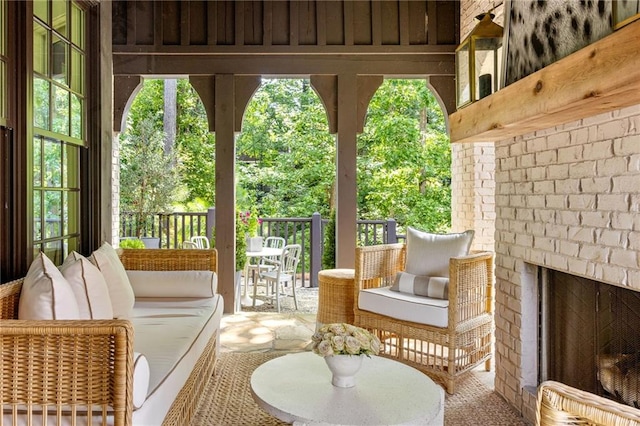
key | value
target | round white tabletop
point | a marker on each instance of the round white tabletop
(297, 388)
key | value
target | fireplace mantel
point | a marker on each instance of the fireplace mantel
(601, 77)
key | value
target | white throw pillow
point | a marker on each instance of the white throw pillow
(120, 291)
(141, 374)
(173, 283)
(89, 287)
(429, 254)
(420, 285)
(46, 294)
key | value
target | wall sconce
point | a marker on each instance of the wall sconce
(479, 61)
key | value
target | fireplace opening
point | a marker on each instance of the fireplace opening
(590, 336)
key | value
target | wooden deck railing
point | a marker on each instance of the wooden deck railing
(169, 230)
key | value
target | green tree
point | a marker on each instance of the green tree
(404, 158)
(196, 148)
(285, 152)
(147, 179)
(286, 156)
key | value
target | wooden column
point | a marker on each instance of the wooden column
(225, 187)
(346, 190)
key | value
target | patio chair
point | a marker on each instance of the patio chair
(560, 404)
(443, 337)
(189, 245)
(201, 242)
(284, 272)
(254, 269)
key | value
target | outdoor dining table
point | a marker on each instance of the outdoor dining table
(257, 255)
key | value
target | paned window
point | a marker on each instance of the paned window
(59, 117)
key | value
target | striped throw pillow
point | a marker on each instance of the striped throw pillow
(421, 285)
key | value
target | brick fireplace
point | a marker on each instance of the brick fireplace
(568, 199)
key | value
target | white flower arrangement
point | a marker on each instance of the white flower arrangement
(344, 339)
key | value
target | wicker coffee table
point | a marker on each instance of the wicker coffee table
(296, 388)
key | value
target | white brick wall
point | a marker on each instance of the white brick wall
(567, 198)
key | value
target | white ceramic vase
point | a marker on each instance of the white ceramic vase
(343, 369)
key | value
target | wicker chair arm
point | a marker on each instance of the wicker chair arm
(376, 266)
(559, 404)
(71, 364)
(470, 287)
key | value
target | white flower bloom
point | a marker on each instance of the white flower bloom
(337, 329)
(344, 339)
(338, 343)
(324, 348)
(351, 345)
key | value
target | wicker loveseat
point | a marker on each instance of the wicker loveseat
(560, 404)
(442, 352)
(65, 368)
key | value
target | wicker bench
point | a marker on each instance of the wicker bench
(559, 404)
(79, 365)
(443, 353)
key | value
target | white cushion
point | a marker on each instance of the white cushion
(120, 291)
(46, 294)
(421, 285)
(89, 287)
(429, 254)
(405, 307)
(173, 283)
(141, 375)
(172, 334)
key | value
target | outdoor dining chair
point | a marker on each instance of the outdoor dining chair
(254, 269)
(201, 242)
(284, 272)
(189, 245)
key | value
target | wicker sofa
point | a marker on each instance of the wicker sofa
(460, 341)
(560, 404)
(63, 369)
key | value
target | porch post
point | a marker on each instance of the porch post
(225, 188)
(346, 156)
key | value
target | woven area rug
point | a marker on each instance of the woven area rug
(228, 401)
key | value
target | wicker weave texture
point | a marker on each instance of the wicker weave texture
(335, 296)
(442, 353)
(559, 404)
(169, 259)
(66, 369)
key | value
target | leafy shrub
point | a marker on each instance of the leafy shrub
(131, 243)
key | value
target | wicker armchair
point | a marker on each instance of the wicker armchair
(442, 353)
(559, 404)
(73, 366)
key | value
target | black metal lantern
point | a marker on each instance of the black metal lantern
(479, 61)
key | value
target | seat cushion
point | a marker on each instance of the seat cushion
(172, 334)
(429, 254)
(404, 306)
(173, 284)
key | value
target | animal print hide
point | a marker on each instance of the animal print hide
(542, 31)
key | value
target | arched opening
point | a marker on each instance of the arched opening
(404, 158)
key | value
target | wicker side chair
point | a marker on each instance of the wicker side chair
(559, 404)
(443, 353)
